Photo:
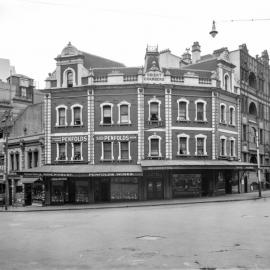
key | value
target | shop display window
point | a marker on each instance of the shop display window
(124, 189)
(186, 184)
(58, 192)
(81, 195)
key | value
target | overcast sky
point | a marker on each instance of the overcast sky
(34, 32)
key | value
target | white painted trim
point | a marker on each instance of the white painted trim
(119, 112)
(154, 100)
(192, 128)
(156, 130)
(225, 109)
(178, 106)
(72, 114)
(102, 151)
(72, 146)
(159, 145)
(119, 151)
(115, 132)
(57, 152)
(204, 109)
(183, 135)
(57, 124)
(227, 131)
(234, 140)
(204, 143)
(101, 107)
(69, 134)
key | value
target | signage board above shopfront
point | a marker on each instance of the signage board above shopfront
(154, 77)
(72, 139)
(116, 138)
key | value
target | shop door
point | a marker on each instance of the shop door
(155, 189)
(102, 190)
(27, 194)
(246, 184)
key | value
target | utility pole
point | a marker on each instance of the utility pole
(258, 163)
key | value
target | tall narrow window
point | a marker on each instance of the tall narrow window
(253, 135)
(226, 82)
(222, 113)
(77, 155)
(232, 146)
(17, 160)
(222, 146)
(182, 145)
(12, 162)
(107, 150)
(200, 145)
(200, 110)
(107, 116)
(30, 159)
(124, 116)
(232, 116)
(182, 110)
(77, 116)
(36, 159)
(69, 79)
(62, 116)
(62, 151)
(124, 150)
(154, 147)
(244, 132)
(154, 116)
(261, 136)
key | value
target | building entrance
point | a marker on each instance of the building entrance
(102, 190)
(154, 189)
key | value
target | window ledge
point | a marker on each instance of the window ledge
(77, 125)
(124, 124)
(107, 160)
(124, 160)
(183, 121)
(106, 125)
(232, 125)
(201, 121)
(182, 155)
(223, 123)
(58, 126)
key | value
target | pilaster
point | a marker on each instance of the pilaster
(140, 125)
(91, 126)
(168, 122)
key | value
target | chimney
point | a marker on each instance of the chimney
(196, 52)
(186, 57)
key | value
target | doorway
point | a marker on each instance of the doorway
(102, 190)
(155, 189)
(246, 184)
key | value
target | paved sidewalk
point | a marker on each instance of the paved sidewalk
(215, 199)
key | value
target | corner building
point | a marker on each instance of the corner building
(115, 133)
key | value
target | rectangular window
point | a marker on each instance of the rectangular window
(244, 132)
(77, 116)
(183, 146)
(62, 117)
(29, 160)
(12, 162)
(61, 151)
(154, 111)
(77, 151)
(245, 157)
(124, 148)
(107, 117)
(200, 111)
(36, 159)
(232, 148)
(154, 147)
(231, 116)
(200, 146)
(107, 150)
(23, 92)
(124, 119)
(222, 114)
(182, 111)
(261, 136)
(17, 160)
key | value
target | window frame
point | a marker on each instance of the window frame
(73, 153)
(102, 151)
(227, 82)
(123, 103)
(73, 114)
(200, 136)
(57, 108)
(187, 112)
(232, 116)
(223, 120)
(150, 146)
(232, 139)
(223, 139)
(154, 100)
(179, 136)
(57, 152)
(120, 151)
(204, 110)
(65, 78)
(102, 105)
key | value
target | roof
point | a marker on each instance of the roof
(20, 76)
(196, 164)
(122, 70)
(94, 61)
(205, 65)
(181, 72)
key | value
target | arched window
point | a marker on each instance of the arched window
(252, 80)
(124, 151)
(227, 82)
(232, 116)
(106, 114)
(123, 113)
(69, 78)
(253, 138)
(223, 113)
(252, 109)
(182, 110)
(154, 110)
(107, 151)
(232, 147)
(61, 115)
(77, 151)
(61, 151)
(223, 151)
(76, 110)
(200, 145)
(154, 146)
(183, 144)
(200, 110)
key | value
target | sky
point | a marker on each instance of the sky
(34, 32)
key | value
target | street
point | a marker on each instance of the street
(202, 236)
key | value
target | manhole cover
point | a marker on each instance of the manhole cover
(150, 237)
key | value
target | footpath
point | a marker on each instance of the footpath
(184, 201)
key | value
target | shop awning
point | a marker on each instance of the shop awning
(85, 170)
(28, 180)
(196, 164)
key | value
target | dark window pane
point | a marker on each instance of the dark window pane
(77, 115)
(154, 111)
(154, 147)
(200, 111)
(107, 150)
(124, 150)
(182, 110)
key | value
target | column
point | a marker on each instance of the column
(168, 122)
(140, 124)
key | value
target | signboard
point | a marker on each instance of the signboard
(116, 174)
(153, 76)
(64, 139)
(59, 179)
(116, 138)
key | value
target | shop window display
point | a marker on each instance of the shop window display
(124, 189)
(81, 195)
(186, 184)
(58, 192)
